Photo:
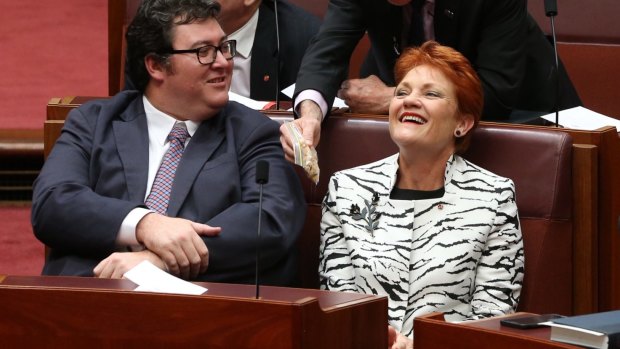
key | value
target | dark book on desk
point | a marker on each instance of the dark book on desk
(598, 330)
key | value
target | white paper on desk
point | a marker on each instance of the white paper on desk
(580, 118)
(149, 278)
(338, 103)
(248, 102)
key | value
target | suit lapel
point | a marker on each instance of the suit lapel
(394, 232)
(133, 151)
(446, 21)
(201, 147)
(263, 76)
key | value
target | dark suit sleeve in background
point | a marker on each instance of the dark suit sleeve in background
(326, 63)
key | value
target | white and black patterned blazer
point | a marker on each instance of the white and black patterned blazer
(461, 254)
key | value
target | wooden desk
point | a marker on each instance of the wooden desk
(431, 331)
(72, 312)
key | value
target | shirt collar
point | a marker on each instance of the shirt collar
(245, 36)
(160, 124)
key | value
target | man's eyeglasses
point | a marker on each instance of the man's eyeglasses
(208, 53)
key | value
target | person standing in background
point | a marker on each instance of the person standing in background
(510, 53)
(252, 23)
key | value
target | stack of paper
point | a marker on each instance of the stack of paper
(580, 118)
(149, 278)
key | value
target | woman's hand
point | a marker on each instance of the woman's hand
(397, 341)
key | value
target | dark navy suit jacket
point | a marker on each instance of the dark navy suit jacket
(97, 172)
(504, 44)
(297, 28)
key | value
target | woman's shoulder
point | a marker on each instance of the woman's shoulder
(379, 166)
(372, 177)
(470, 171)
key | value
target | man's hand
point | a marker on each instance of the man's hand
(118, 263)
(177, 242)
(367, 96)
(397, 341)
(309, 124)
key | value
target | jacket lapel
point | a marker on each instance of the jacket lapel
(201, 147)
(446, 21)
(396, 237)
(133, 151)
(264, 49)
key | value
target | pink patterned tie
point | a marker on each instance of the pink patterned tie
(160, 192)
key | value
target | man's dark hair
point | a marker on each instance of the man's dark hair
(150, 31)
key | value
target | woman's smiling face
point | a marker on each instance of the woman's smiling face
(424, 111)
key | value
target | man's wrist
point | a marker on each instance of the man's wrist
(140, 227)
(127, 234)
(313, 96)
(309, 108)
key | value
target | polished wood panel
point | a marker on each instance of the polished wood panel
(59, 108)
(72, 312)
(432, 331)
(607, 141)
(20, 142)
(52, 129)
(120, 13)
(585, 248)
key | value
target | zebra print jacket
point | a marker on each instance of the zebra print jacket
(461, 254)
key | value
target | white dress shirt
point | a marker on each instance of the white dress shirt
(159, 125)
(240, 83)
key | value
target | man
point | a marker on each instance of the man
(200, 219)
(509, 52)
(253, 24)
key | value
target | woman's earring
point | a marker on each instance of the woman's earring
(457, 133)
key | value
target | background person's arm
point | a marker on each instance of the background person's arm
(501, 55)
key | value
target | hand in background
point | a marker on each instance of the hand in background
(367, 96)
(397, 341)
(177, 242)
(308, 123)
(118, 263)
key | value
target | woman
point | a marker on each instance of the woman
(425, 227)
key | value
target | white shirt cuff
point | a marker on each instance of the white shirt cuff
(314, 96)
(127, 233)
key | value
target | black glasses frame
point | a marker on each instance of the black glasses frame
(203, 50)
